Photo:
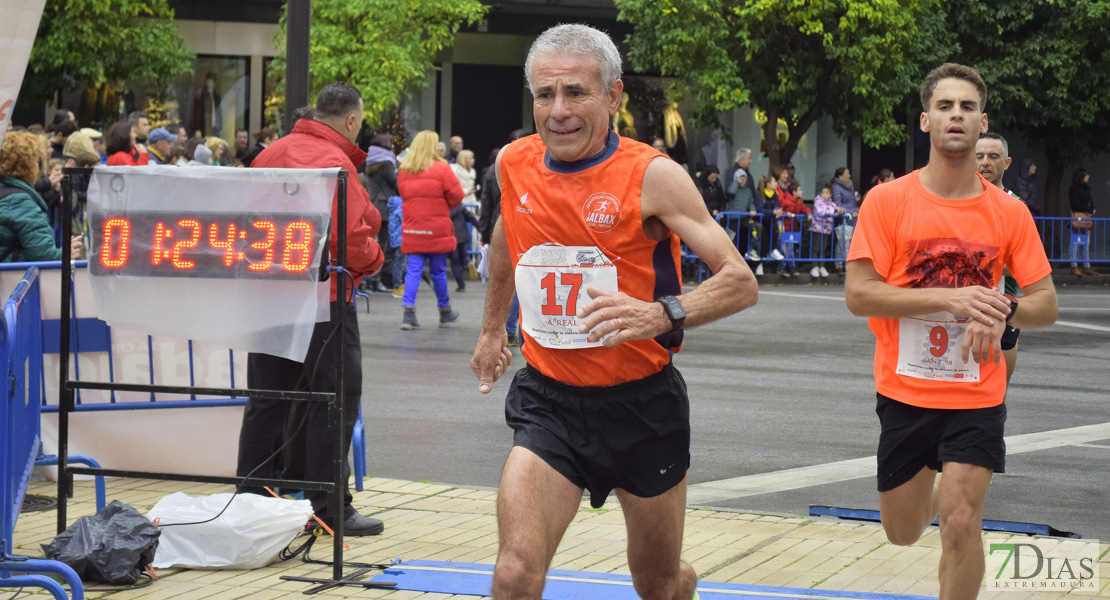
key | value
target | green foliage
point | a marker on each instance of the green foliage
(82, 42)
(1047, 68)
(382, 47)
(855, 60)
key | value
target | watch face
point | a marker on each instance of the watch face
(673, 307)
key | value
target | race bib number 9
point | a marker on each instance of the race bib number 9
(929, 348)
(551, 284)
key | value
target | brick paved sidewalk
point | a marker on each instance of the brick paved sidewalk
(448, 523)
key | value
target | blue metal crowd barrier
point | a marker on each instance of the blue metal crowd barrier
(1066, 240)
(20, 351)
(91, 335)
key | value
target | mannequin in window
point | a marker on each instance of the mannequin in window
(623, 121)
(206, 113)
(674, 133)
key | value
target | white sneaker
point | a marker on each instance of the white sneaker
(815, 272)
(824, 273)
(775, 254)
(753, 255)
(759, 270)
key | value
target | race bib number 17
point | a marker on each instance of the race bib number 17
(929, 348)
(551, 284)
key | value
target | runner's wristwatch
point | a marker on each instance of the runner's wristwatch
(1013, 310)
(674, 310)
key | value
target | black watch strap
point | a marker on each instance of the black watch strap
(673, 307)
(1013, 310)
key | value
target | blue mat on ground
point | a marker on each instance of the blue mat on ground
(473, 579)
(860, 514)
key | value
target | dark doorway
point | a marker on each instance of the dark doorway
(486, 102)
(872, 160)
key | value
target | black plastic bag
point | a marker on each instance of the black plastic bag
(112, 546)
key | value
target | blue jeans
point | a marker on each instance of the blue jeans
(513, 322)
(400, 266)
(789, 264)
(438, 269)
(1080, 252)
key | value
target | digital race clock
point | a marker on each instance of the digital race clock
(207, 244)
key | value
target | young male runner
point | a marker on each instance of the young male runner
(589, 240)
(924, 265)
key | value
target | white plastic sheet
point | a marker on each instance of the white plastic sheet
(214, 254)
(19, 20)
(248, 535)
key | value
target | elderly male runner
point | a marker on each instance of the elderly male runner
(589, 240)
(924, 265)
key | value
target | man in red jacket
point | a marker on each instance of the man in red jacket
(325, 141)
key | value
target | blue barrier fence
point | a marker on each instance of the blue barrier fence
(92, 336)
(797, 239)
(21, 367)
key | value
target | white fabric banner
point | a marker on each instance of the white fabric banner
(19, 22)
(213, 254)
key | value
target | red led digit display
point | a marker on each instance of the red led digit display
(212, 245)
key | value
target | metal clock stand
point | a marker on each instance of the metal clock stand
(68, 388)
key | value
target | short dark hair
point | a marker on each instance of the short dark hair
(337, 100)
(60, 116)
(382, 140)
(953, 71)
(136, 115)
(990, 135)
(304, 112)
(66, 128)
(1078, 175)
(265, 132)
(118, 138)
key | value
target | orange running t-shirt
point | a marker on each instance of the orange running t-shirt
(918, 240)
(590, 203)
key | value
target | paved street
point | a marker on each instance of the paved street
(784, 386)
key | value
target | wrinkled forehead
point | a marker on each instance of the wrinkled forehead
(568, 68)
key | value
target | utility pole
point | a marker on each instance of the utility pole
(298, 17)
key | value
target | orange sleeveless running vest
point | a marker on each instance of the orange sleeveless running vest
(594, 202)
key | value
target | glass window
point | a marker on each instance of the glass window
(214, 100)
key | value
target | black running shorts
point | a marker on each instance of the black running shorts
(913, 437)
(633, 436)
(1010, 337)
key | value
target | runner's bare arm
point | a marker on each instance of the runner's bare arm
(1038, 307)
(491, 355)
(670, 201)
(867, 295)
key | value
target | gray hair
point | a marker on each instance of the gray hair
(741, 153)
(582, 40)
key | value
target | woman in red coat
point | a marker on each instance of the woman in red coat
(428, 191)
(121, 150)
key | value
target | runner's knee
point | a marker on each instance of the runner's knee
(517, 576)
(657, 584)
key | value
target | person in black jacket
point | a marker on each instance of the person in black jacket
(379, 177)
(1025, 188)
(711, 190)
(264, 137)
(1079, 195)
